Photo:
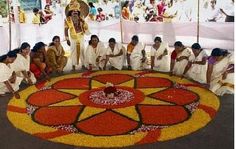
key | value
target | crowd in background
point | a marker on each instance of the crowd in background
(178, 10)
(141, 11)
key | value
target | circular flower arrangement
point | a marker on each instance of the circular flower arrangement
(146, 108)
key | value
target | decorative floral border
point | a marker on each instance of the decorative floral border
(202, 111)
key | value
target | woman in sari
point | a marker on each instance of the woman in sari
(9, 82)
(38, 61)
(95, 56)
(196, 68)
(114, 55)
(136, 55)
(125, 11)
(22, 64)
(160, 59)
(56, 58)
(220, 72)
(179, 59)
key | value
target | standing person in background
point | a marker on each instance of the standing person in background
(136, 55)
(220, 72)
(228, 10)
(22, 16)
(56, 58)
(48, 12)
(9, 82)
(160, 58)
(114, 55)
(36, 16)
(95, 54)
(179, 59)
(12, 16)
(92, 11)
(161, 7)
(116, 8)
(126, 14)
(22, 64)
(100, 16)
(75, 27)
(196, 68)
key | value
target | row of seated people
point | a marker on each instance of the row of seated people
(30, 66)
(214, 71)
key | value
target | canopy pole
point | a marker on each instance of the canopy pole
(198, 20)
(9, 23)
(121, 25)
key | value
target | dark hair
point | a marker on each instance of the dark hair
(125, 4)
(12, 54)
(17, 50)
(157, 39)
(196, 46)
(99, 9)
(219, 52)
(93, 36)
(178, 44)
(46, 6)
(112, 40)
(135, 38)
(37, 46)
(24, 45)
(53, 39)
(90, 4)
(3, 57)
(35, 10)
(70, 13)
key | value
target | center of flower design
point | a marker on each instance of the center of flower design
(119, 97)
(111, 96)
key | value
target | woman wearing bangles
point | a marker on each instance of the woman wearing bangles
(196, 67)
(220, 72)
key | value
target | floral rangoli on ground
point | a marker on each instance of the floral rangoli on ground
(147, 107)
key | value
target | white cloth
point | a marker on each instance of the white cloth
(217, 84)
(162, 64)
(73, 55)
(180, 65)
(117, 61)
(136, 56)
(92, 54)
(228, 7)
(6, 73)
(184, 11)
(1, 22)
(198, 72)
(22, 64)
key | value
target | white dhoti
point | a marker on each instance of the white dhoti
(76, 57)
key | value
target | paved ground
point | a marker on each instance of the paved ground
(218, 134)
